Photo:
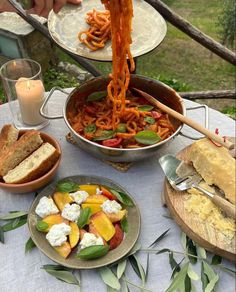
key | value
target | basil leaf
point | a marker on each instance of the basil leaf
(97, 95)
(150, 120)
(216, 260)
(84, 217)
(122, 197)
(106, 134)
(1, 235)
(29, 245)
(159, 237)
(145, 108)
(90, 128)
(121, 268)
(121, 128)
(41, 226)
(13, 215)
(179, 280)
(67, 187)
(147, 137)
(63, 275)
(93, 252)
(109, 278)
(124, 224)
(15, 223)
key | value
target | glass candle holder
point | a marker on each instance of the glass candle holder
(23, 86)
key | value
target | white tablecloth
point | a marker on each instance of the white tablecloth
(20, 272)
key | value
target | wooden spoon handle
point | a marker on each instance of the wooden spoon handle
(187, 120)
(226, 206)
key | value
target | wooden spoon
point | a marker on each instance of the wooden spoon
(226, 143)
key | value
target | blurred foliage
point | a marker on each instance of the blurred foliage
(227, 23)
(230, 111)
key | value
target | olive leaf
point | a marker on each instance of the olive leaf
(183, 240)
(176, 269)
(14, 223)
(29, 245)
(121, 268)
(163, 251)
(172, 261)
(179, 281)
(41, 226)
(187, 284)
(192, 274)
(147, 267)
(93, 252)
(126, 288)
(134, 250)
(62, 274)
(122, 197)
(90, 128)
(109, 278)
(201, 252)
(13, 215)
(147, 137)
(84, 217)
(145, 108)
(192, 250)
(216, 260)
(137, 267)
(159, 238)
(211, 277)
(124, 224)
(1, 235)
(98, 95)
(229, 270)
(67, 187)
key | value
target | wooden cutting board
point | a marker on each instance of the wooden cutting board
(197, 229)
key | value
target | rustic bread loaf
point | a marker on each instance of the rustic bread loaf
(34, 166)
(8, 136)
(215, 165)
(19, 150)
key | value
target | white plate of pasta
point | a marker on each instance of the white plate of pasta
(149, 29)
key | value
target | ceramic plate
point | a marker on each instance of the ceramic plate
(73, 262)
(149, 29)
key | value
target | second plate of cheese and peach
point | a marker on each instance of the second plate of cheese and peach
(84, 222)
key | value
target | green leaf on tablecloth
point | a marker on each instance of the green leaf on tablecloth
(109, 289)
(204, 278)
(187, 284)
(29, 245)
(192, 274)
(122, 197)
(216, 260)
(159, 238)
(121, 268)
(209, 277)
(109, 278)
(229, 270)
(201, 252)
(147, 267)
(176, 269)
(15, 223)
(54, 267)
(183, 240)
(62, 274)
(137, 267)
(124, 224)
(172, 261)
(135, 249)
(126, 288)
(13, 215)
(163, 250)
(191, 250)
(1, 235)
(178, 282)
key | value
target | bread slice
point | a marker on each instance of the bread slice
(215, 165)
(19, 150)
(34, 166)
(8, 136)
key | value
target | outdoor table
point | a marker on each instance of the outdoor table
(144, 180)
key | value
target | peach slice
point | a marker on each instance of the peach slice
(61, 199)
(64, 250)
(115, 217)
(54, 219)
(74, 234)
(103, 225)
(95, 199)
(90, 189)
(94, 207)
(82, 233)
(117, 238)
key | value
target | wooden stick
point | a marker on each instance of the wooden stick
(209, 94)
(186, 120)
(193, 32)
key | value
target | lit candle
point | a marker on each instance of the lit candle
(30, 94)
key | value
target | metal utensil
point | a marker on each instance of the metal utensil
(182, 176)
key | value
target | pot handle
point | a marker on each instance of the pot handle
(206, 118)
(41, 111)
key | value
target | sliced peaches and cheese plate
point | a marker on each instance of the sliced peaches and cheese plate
(84, 222)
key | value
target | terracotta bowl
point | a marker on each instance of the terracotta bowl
(41, 181)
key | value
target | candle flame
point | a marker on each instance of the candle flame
(28, 84)
(14, 63)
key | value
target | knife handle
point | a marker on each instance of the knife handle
(226, 206)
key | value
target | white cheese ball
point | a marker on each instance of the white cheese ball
(71, 212)
(111, 206)
(79, 196)
(90, 239)
(45, 207)
(57, 234)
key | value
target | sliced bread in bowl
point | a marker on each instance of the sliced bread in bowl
(8, 136)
